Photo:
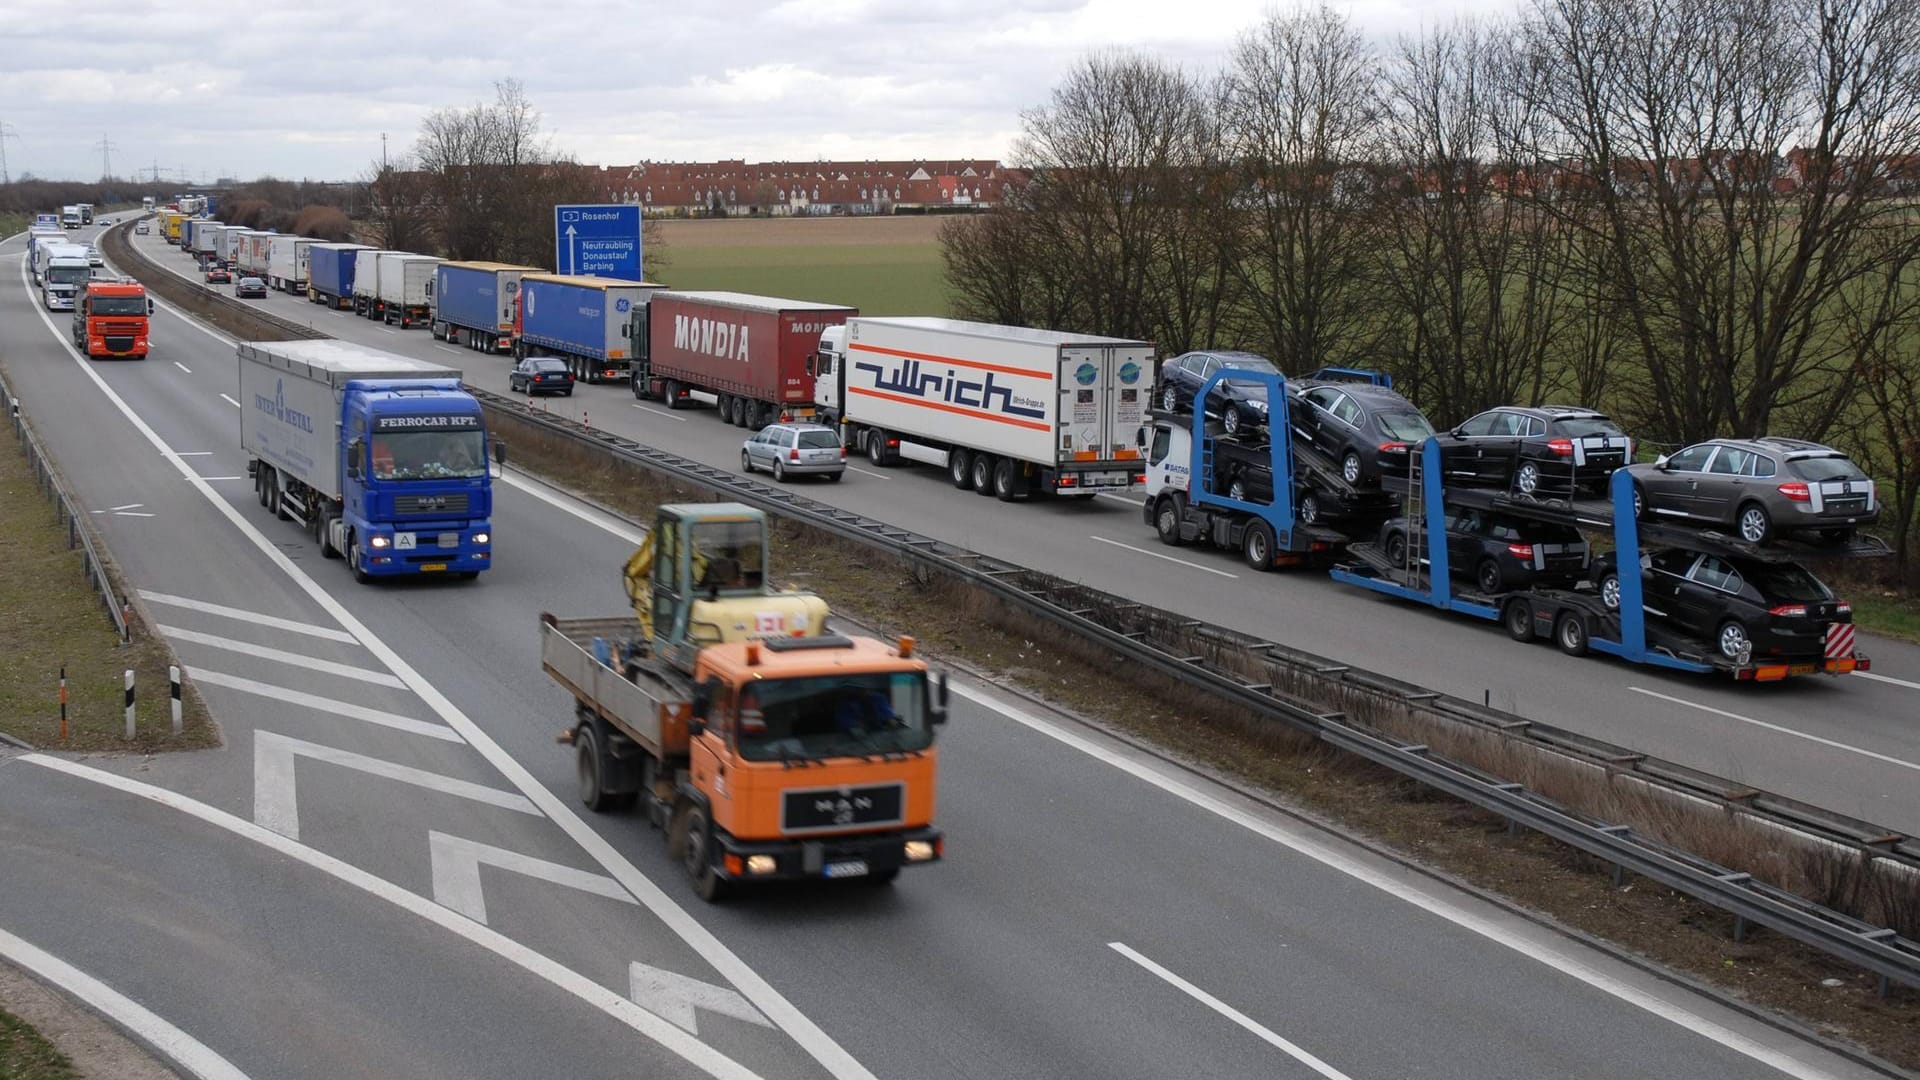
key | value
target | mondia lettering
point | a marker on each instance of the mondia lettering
(715, 337)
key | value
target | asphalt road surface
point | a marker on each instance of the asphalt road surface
(384, 872)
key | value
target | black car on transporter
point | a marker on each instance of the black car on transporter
(1238, 404)
(1539, 450)
(1497, 552)
(1367, 429)
(1746, 608)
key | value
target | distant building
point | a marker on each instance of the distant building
(794, 188)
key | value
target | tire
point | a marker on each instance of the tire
(1733, 639)
(1231, 420)
(1754, 524)
(1006, 480)
(982, 474)
(327, 550)
(877, 448)
(726, 408)
(1639, 502)
(1169, 399)
(1609, 588)
(880, 879)
(1166, 521)
(1837, 536)
(260, 483)
(1256, 546)
(960, 468)
(1237, 491)
(1518, 619)
(696, 858)
(354, 561)
(586, 759)
(746, 462)
(638, 385)
(274, 503)
(1309, 511)
(672, 392)
(836, 477)
(1527, 480)
(568, 392)
(1350, 470)
(1487, 575)
(1570, 633)
(1396, 549)
(779, 471)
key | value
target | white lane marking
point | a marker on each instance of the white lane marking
(243, 615)
(1888, 679)
(177, 1046)
(176, 363)
(389, 330)
(345, 671)
(1168, 558)
(607, 1001)
(324, 704)
(1135, 503)
(571, 506)
(194, 453)
(224, 478)
(129, 506)
(230, 401)
(130, 513)
(451, 349)
(456, 875)
(1290, 1049)
(276, 797)
(798, 1027)
(1405, 889)
(662, 412)
(869, 472)
(674, 997)
(1776, 727)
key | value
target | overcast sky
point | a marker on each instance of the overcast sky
(243, 89)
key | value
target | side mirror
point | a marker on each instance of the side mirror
(1660, 463)
(702, 702)
(355, 450)
(500, 452)
(940, 698)
(149, 307)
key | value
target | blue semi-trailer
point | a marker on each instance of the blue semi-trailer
(330, 273)
(586, 321)
(472, 303)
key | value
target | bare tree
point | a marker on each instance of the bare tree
(1298, 104)
(398, 206)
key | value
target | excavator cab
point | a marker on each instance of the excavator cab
(700, 578)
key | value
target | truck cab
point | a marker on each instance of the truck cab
(64, 272)
(110, 319)
(70, 217)
(415, 488)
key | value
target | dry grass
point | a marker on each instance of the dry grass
(692, 233)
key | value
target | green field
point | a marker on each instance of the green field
(889, 279)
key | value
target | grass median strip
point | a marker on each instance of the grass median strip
(52, 617)
(26, 1055)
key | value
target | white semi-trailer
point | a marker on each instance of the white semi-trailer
(287, 263)
(1016, 411)
(405, 288)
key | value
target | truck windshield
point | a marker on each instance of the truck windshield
(119, 305)
(833, 716)
(68, 275)
(429, 455)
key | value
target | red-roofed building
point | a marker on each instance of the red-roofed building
(783, 188)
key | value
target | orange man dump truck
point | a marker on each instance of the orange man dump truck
(110, 319)
(767, 746)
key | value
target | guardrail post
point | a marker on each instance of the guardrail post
(130, 723)
(173, 688)
(1739, 929)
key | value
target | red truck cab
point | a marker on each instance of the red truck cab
(110, 319)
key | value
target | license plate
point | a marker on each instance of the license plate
(848, 868)
(433, 566)
(403, 541)
(450, 539)
(1803, 669)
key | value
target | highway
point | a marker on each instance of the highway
(1849, 744)
(384, 872)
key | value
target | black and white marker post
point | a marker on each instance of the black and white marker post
(129, 704)
(173, 687)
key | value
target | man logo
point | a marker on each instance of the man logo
(1085, 374)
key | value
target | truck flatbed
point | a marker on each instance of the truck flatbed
(640, 708)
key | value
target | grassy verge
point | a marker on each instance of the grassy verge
(25, 1055)
(878, 279)
(1888, 616)
(1453, 838)
(50, 617)
(14, 223)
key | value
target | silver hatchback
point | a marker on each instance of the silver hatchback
(795, 450)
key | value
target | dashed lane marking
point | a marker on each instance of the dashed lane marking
(281, 656)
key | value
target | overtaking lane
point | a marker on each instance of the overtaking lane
(1841, 744)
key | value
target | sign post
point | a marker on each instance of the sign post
(597, 241)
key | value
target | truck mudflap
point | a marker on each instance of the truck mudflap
(866, 855)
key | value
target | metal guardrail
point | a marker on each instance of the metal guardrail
(79, 532)
(1167, 642)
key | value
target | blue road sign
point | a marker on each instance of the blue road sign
(597, 241)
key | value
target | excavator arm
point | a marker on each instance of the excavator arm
(639, 580)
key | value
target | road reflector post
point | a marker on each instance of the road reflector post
(63, 703)
(173, 688)
(129, 704)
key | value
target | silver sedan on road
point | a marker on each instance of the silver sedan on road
(795, 450)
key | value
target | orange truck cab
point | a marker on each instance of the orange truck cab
(768, 746)
(110, 319)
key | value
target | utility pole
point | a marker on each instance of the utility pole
(106, 148)
(6, 132)
(383, 151)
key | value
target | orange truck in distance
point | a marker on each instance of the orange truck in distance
(110, 319)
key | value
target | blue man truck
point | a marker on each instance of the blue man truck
(474, 303)
(381, 458)
(330, 274)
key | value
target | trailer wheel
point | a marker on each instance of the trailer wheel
(1570, 633)
(960, 467)
(983, 474)
(1256, 545)
(1166, 521)
(698, 858)
(877, 447)
(277, 496)
(260, 482)
(1519, 620)
(590, 769)
(724, 406)
(672, 392)
(1006, 480)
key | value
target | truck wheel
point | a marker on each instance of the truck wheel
(355, 561)
(327, 550)
(742, 413)
(1166, 521)
(1570, 633)
(260, 482)
(1519, 620)
(672, 392)
(587, 766)
(960, 468)
(279, 504)
(698, 859)
(638, 385)
(877, 447)
(725, 407)
(1006, 480)
(983, 474)
(1256, 545)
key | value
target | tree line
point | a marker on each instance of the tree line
(1700, 215)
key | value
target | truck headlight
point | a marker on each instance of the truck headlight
(918, 850)
(481, 538)
(761, 864)
(378, 542)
